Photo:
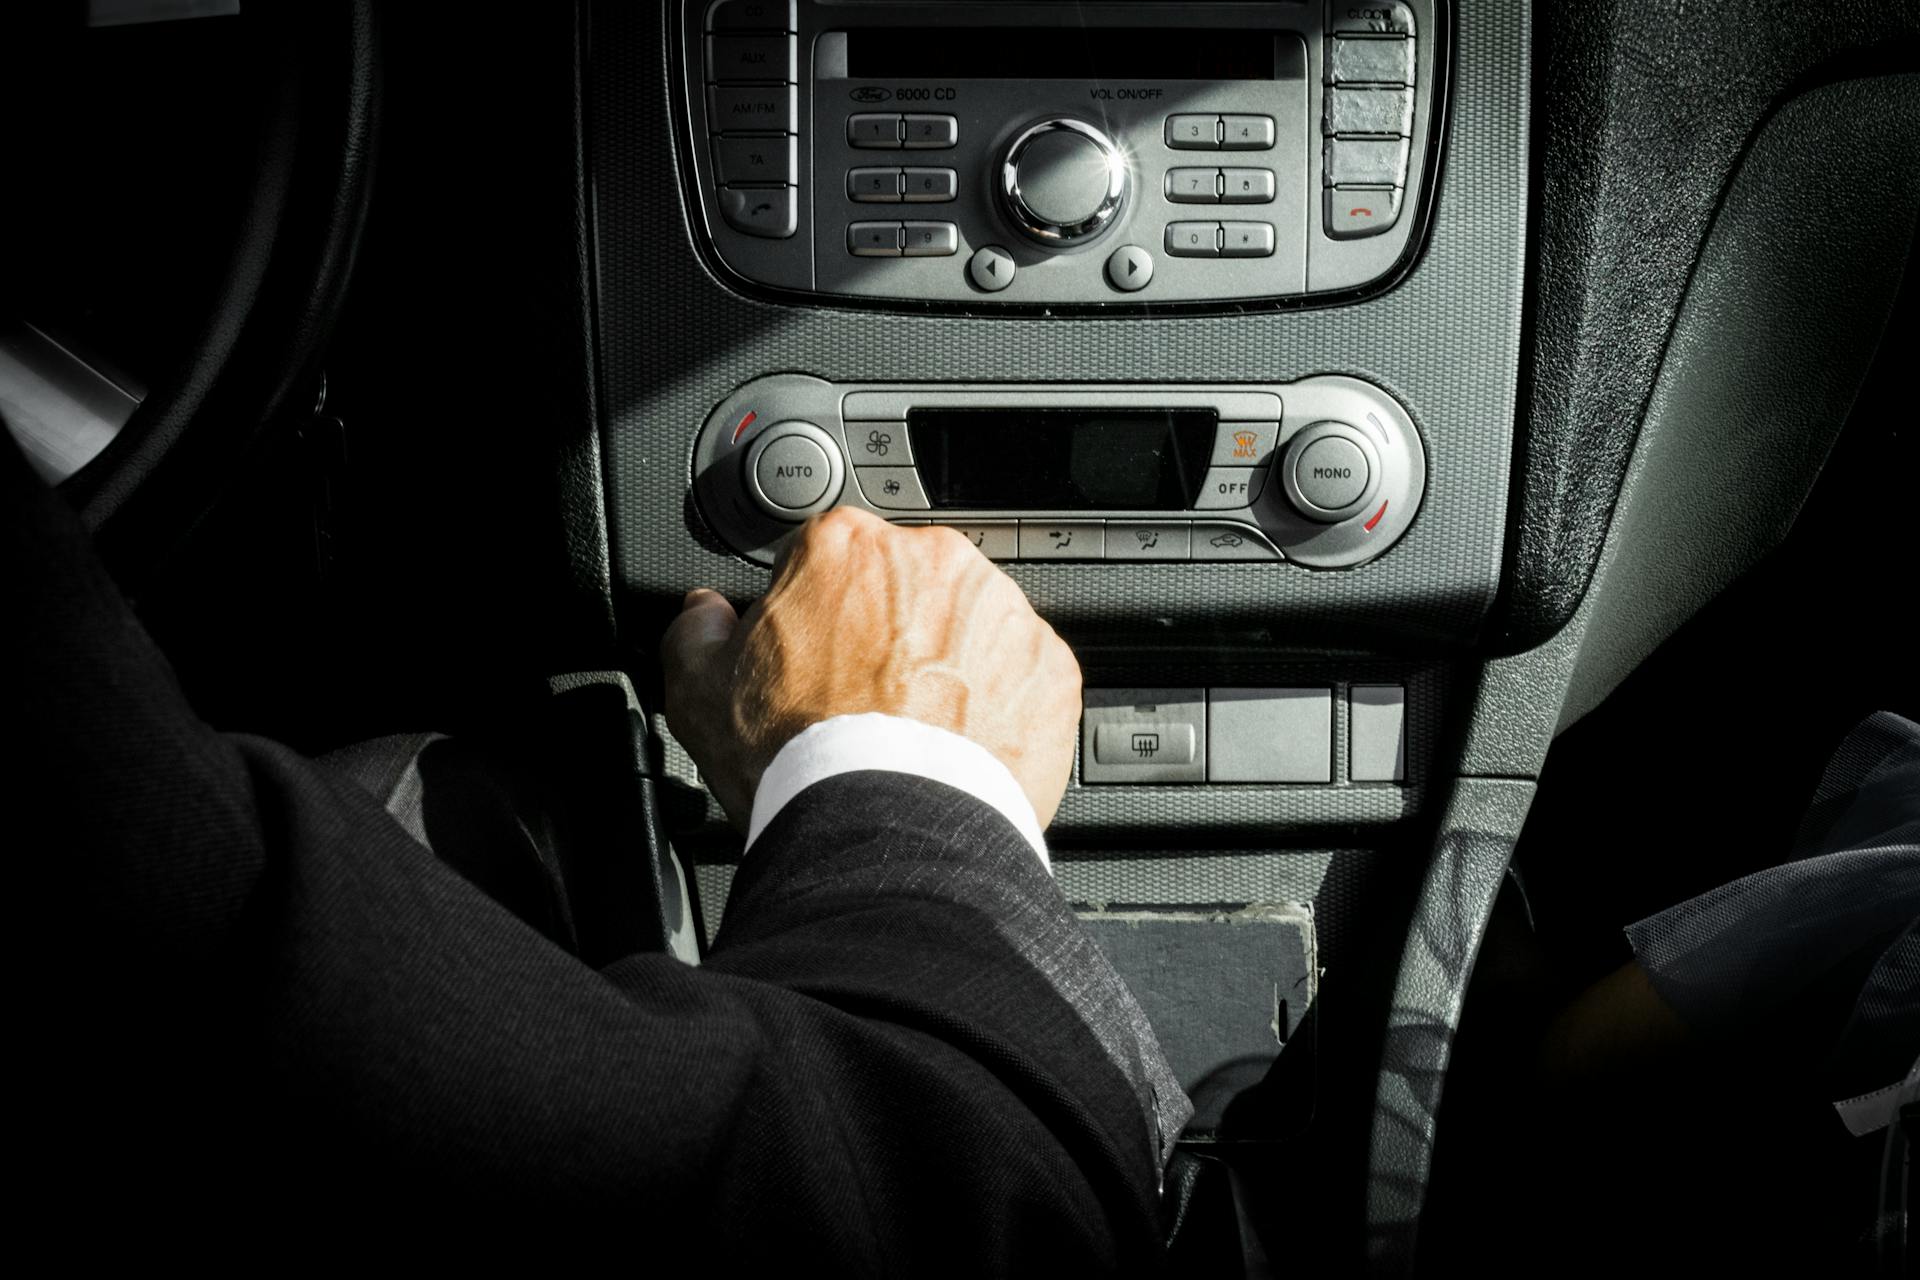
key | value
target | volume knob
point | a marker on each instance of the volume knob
(1062, 182)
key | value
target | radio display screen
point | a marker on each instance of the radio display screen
(1062, 459)
(1059, 53)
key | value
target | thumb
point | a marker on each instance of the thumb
(695, 638)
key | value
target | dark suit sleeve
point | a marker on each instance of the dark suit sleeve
(256, 1005)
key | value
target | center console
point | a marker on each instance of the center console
(1201, 320)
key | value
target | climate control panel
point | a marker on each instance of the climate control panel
(1326, 472)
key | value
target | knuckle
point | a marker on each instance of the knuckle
(846, 521)
(949, 543)
(833, 527)
(834, 534)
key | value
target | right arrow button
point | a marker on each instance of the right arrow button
(1129, 268)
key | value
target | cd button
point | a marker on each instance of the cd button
(1229, 488)
(892, 488)
(995, 541)
(1148, 540)
(751, 15)
(1244, 444)
(1062, 540)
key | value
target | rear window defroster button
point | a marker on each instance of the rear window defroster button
(1143, 743)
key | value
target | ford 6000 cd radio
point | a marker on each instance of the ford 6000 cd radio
(993, 156)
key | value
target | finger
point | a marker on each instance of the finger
(827, 535)
(705, 624)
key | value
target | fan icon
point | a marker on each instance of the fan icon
(879, 443)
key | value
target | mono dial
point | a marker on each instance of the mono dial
(1062, 182)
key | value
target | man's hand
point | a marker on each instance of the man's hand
(863, 616)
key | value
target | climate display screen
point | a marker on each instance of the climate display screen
(1062, 459)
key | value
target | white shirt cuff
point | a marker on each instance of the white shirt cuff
(848, 744)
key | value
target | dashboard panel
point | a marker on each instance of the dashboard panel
(681, 335)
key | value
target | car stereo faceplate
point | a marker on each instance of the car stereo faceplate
(993, 155)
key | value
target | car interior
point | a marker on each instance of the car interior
(1461, 441)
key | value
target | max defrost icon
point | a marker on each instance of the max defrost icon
(1243, 444)
(1146, 745)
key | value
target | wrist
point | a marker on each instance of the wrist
(897, 744)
